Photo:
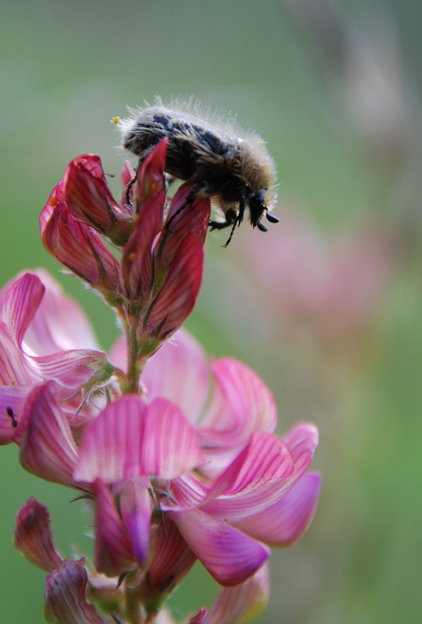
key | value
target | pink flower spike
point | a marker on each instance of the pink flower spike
(113, 551)
(33, 536)
(65, 596)
(200, 618)
(284, 523)
(241, 604)
(20, 305)
(241, 405)
(178, 295)
(170, 446)
(137, 258)
(112, 444)
(47, 449)
(231, 557)
(89, 199)
(194, 218)
(136, 509)
(151, 174)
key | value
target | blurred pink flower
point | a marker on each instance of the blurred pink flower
(336, 287)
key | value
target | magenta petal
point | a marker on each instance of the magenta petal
(171, 561)
(200, 618)
(136, 510)
(266, 459)
(65, 596)
(284, 523)
(137, 257)
(48, 449)
(170, 446)
(230, 556)
(20, 305)
(177, 367)
(177, 297)
(185, 492)
(242, 603)
(302, 441)
(111, 448)
(70, 369)
(33, 536)
(113, 551)
(241, 405)
(13, 369)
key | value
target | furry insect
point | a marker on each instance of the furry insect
(235, 172)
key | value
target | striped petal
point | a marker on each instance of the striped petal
(113, 552)
(136, 510)
(20, 305)
(48, 449)
(12, 400)
(13, 369)
(284, 523)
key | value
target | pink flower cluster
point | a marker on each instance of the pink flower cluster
(177, 469)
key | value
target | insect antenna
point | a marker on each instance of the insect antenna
(271, 218)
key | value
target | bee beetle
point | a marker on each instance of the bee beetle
(236, 172)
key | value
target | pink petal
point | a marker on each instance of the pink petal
(284, 523)
(171, 561)
(242, 603)
(170, 446)
(136, 510)
(241, 405)
(111, 448)
(200, 618)
(20, 305)
(137, 258)
(184, 493)
(12, 400)
(48, 449)
(70, 369)
(33, 536)
(13, 369)
(231, 557)
(113, 551)
(178, 372)
(302, 441)
(177, 297)
(194, 218)
(151, 175)
(65, 596)
(59, 323)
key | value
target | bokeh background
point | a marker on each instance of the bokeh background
(327, 307)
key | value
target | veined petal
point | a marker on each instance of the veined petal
(284, 523)
(194, 218)
(136, 510)
(33, 536)
(70, 369)
(20, 305)
(65, 596)
(137, 257)
(171, 561)
(48, 449)
(178, 371)
(13, 369)
(170, 446)
(302, 441)
(241, 405)
(12, 400)
(184, 493)
(113, 551)
(242, 604)
(177, 297)
(151, 175)
(111, 448)
(230, 556)
(266, 459)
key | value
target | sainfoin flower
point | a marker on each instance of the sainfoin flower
(177, 456)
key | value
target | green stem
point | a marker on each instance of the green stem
(134, 366)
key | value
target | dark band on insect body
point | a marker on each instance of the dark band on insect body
(235, 171)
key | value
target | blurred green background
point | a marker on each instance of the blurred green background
(333, 88)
